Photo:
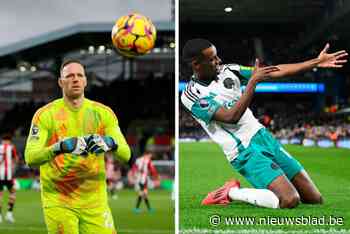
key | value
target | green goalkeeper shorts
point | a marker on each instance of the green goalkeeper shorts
(264, 160)
(79, 221)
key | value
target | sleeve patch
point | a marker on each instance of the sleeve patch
(34, 133)
(203, 103)
(205, 108)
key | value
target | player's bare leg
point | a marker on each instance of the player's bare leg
(12, 199)
(285, 191)
(307, 189)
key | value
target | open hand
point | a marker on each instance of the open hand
(262, 73)
(335, 60)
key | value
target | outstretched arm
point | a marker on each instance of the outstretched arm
(324, 59)
(234, 114)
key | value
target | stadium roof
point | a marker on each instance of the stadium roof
(313, 20)
(36, 31)
(70, 31)
(255, 11)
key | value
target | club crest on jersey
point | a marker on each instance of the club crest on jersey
(203, 103)
(228, 83)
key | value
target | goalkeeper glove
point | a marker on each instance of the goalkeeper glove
(100, 144)
(73, 145)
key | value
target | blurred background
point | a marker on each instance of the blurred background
(312, 108)
(37, 36)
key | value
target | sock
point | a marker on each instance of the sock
(12, 199)
(114, 191)
(258, 197)
(138, 202)
(147, 203)
(11, 206)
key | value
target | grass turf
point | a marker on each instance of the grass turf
(203, 168)
(30, 220)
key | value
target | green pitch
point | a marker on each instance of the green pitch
(203, 168)
(30, 220)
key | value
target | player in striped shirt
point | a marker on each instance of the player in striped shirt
(68, 140)
(215, 100)
(8, 160)
(113, 174)
(142, 169)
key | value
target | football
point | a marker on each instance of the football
(133, 35)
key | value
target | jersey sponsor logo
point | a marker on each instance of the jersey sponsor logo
(228, 83)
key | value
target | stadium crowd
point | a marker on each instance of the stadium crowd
(283, 124)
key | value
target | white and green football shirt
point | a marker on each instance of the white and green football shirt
(203, 100)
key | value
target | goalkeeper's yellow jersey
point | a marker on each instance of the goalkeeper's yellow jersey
(66, 179)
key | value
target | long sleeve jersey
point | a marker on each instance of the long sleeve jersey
(67, 179)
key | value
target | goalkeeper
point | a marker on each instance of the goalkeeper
(67, 140)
